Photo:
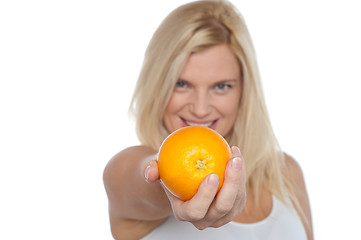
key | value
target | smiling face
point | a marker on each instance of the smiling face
(207, 93)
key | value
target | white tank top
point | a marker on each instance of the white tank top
(282, 223)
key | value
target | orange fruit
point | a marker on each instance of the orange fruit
(188, 155)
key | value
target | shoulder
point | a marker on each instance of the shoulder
(292, 169)
(125, 162)
(129, 217)
(294, 174)
(128, 157)
(133, 152)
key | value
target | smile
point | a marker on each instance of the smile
(203, 124)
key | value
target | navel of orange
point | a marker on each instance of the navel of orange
(188, 155)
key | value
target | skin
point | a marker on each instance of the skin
(208, 92)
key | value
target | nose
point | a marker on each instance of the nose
(200, 105)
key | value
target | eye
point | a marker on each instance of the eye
(223, 86)
(181, 84)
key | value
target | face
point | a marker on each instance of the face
(207, 93)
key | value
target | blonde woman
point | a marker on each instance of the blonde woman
(200, 69)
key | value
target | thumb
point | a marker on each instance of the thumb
(151, 173)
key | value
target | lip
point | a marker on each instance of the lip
(209, 124)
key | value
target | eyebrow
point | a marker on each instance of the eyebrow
(220, 81)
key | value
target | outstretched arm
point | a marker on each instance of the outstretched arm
(135, 205)
(138, 203)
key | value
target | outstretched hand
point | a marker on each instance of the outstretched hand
(207, 208)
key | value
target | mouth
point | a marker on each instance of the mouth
(209, 124)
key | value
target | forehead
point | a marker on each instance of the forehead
(214, 63)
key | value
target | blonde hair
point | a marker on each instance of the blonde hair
(191, 28)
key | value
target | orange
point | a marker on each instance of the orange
(188, 155)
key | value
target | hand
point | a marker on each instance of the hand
(207, 208)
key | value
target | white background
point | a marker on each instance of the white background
(67, 72)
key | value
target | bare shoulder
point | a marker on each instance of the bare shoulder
(130, 155)
(292, 169)
(294, 173)
(124, 165)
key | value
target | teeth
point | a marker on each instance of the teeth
(199, 124)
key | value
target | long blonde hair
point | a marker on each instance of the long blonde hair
(191, 28)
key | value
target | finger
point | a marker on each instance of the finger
(235, 151)
(196, 208)
(231, 188)
(239, 204)
(151, 173)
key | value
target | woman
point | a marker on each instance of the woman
(200, 69)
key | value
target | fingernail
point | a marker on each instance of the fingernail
(236, 151)
(236, 163)
(147, 172)
(213, 180)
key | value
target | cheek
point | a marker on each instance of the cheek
(229, 106)
(173, 105)
(230, 112)
(170, 118)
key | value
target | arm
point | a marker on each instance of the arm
(294, 173)
(135, 206)
(138, 203)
